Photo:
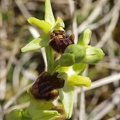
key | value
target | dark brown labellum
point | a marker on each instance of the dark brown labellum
(46, 85)
(59, 41)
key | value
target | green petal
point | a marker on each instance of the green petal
(84, 38)
(77, 80)
(36, 43)
(67, 96)
(48, 13)
(43, 25)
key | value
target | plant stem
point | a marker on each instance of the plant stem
(50, 58)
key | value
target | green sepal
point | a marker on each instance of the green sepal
(77, 50)
(93, 55)
(59, 24)
(67, 59)
(40, 110)
(79, 67)
(39, 105)
(18, 114)
(45, 115)
(84, 38)
(43, 25)
(15, 115)
(67, 97)
(49, 17)
(37, 43)
(77, 80)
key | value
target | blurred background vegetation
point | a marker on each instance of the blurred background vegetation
(18, 70)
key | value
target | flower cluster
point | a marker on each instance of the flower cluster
(62, 74)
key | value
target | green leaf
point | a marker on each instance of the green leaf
(67, 59)
(79, 67)
(67, 96)
(84, 38)
(37, 43)
(77, 80)
(15, 115)
(43, 25)
(48, 13)
(77, 50)
(45, 115)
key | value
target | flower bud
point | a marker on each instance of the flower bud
(93, 55)
(67, 59)
(84, 38)
(77, 50)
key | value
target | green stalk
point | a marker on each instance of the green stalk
(49, 57)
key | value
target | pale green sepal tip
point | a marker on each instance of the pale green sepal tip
(77, 80)
(49, 17)
(67, 97)
(84, 38)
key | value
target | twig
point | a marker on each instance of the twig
(73, 16)
(101, 82)
(20, 106)
(117, 117)
(104, 81)
(13, 99)
(23, 8)
(82, 111)
(99, 112)
(102, 21)
(92, 16)
(110, 28)
(109, 65)
(82, 115)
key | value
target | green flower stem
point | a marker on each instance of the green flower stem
(50, 58)
(55, 66)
